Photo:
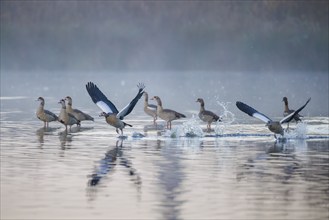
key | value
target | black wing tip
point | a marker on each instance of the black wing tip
(141, 86)
(238, 103)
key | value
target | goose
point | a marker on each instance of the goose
(81, 116)
(66, 118)
(167, 114)
(150, 109)
(288, 111)
(274, 126)
(45, 115)
(110, 112)
(207, 116)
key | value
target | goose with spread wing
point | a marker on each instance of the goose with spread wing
(110, 112)
(274, 126)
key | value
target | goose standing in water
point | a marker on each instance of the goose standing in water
(167, 114)
(150, 109)
(45, 115)
(66, 118)
(288, 111)
(81, 116)
(110, 112)
(207, 116)
(274, 126)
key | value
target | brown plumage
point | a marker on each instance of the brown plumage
(207, 116)
(81, 116)
(288, 111)
(66, 118)
(167, 114)
(150, 109)
(45, 115)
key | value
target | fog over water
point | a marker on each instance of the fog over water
(223, 51)
(255, 52)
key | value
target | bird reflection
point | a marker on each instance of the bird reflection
(170, 179)
(112, 158)
(41, 132)
(278, 161)
(65, 139)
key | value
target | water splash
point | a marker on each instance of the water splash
(300, 132)
(227, 118)
(190, 128)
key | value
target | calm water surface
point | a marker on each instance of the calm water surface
(237, 172)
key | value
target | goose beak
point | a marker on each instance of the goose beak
(152, 98)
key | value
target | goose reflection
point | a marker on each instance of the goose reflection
(170, 179)
(65, 139)
(41, 132)
(106, 165)
(277, 161)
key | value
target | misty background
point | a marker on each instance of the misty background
(252, 51)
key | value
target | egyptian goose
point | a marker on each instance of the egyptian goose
(207, 116)
(150, 109)
(45, 115)
(288, 111)
(166, 114)
(81, 116)
(274, 126)
(110, 112)
(66, 118)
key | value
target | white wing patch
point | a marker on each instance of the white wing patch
(288, 116)
(105, 108)
(261, 117)
(123, 111)
(152, 108)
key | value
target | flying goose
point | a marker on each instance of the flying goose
(207, 116)
(81, 116)
(110, 112)
(150, 109)
(45, 115)
(66, 118)
(167, 114)
(274, 126)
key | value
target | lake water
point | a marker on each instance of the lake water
(238, 171)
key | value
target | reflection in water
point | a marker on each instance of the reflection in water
(107, 165)
(170, 179)
(183, 178)
(41, 132)
(65, 139)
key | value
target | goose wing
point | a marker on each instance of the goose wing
(51, 114)
(289, 117)
(252, 112)
(152, 107)
(100, 99)
(126, 110)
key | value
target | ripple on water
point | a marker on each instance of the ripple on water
(229, 174)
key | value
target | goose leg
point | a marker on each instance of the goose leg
(287, 127)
